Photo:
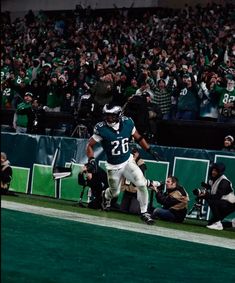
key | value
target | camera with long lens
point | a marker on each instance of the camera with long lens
(198, 191)
(202, 190)
(155, 185)
(161, 187)
(199, 201)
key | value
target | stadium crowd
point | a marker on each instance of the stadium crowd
(166, 63)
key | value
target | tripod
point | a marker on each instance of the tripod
(197, 206)
(80, 131)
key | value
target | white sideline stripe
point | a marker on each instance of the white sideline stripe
(123, 225)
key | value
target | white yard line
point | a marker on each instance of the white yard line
(123, 225)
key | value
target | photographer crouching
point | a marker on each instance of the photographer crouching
(174, 201)
(96, 180)
(219, 195)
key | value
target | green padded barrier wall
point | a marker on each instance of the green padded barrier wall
(157, 171)
(191, 172)
(42, 181)
(42, 150)
(70, 189)
(187, 164)
(20, 179)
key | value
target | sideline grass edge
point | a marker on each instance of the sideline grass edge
(189, 225)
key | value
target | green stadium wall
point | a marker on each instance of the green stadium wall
(31, 157)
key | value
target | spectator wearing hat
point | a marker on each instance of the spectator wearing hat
(228, 143)
(20, 120)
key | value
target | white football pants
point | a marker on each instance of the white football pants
(132, 173)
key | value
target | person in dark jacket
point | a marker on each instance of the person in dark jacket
(97, 182)
(35, 115)
(219, 195)
(174, 201)
(6, 174)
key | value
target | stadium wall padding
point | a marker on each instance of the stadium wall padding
(33, 155)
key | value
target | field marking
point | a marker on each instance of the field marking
(123, 225)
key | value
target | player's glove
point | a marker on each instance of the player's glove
(93, 164)
(154, 154)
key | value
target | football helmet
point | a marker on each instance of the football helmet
(112, 114)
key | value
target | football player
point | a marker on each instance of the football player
(114, 134)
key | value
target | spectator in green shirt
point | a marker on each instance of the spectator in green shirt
(226, 101)
(20, 121)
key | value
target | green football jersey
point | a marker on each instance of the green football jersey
(225, 95)
(116, 143)
(22, 119)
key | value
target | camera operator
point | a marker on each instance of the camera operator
(174, 201)
(219, 195)
(97, 181)
(6, 175)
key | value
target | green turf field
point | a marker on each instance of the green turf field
(36, 248)
(189, 225)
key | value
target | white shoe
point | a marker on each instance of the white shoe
(233, 222)
(215, 226)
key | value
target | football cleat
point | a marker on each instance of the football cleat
(105, 204)
(146, 217)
